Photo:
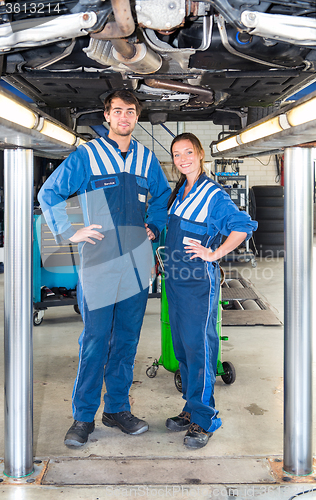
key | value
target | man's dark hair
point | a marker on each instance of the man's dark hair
(127, 96)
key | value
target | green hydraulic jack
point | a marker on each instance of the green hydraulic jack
(225, 369)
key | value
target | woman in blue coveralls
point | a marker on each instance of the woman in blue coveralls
(200, 211)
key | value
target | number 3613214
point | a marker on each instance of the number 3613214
(32, 8)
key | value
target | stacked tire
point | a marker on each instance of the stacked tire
(269, 237)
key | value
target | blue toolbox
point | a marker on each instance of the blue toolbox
(55, 267)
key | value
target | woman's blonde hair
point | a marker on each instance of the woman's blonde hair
(197, 146)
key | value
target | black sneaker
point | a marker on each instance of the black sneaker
(179, 423)
(196, 437)
(78, 433)
(125, 421)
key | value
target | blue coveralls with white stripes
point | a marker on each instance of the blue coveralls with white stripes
(114, 273)
(192, 288)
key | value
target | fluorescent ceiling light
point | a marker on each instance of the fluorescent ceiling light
(302, 113)
(264, 129)
(55, 132)
(229, 143)
(17, 113)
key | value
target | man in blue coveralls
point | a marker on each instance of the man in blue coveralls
(111, 177)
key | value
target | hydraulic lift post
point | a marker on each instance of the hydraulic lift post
(298, 309)
(18, 312)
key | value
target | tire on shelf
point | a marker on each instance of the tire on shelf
(274, 190)
(270, 226)
(269, 201)
(270, 213)
(267, 238)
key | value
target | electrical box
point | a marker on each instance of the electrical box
(237, 186)
(238, 195)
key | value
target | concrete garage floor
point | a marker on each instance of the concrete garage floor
(239, 458)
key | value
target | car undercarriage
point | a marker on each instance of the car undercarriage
(225, 61)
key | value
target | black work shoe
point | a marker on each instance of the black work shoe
(196, 437)
(125, 421)
(179, 423)
(78, 433)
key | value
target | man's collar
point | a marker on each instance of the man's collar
(116, 146)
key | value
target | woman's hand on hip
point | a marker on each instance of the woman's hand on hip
(199, 251)
(234, 239)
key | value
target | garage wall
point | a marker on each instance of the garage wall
(261, 171)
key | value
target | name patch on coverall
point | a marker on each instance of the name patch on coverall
(105, 183)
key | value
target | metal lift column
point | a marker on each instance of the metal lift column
(18, 307)
(298, 306)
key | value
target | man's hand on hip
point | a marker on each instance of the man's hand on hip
(86, 233)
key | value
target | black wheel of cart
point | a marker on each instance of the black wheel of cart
(151, 371)
(37, 320)
(76, 308)
(229, 376)
(178, 381)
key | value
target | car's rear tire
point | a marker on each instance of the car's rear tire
(256, 113)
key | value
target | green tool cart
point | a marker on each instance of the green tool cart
(167, 358)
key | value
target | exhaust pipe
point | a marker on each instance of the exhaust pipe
(137, 57)
(122, 26)
(207, 95)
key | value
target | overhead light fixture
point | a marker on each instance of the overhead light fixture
(15, 112)
(264, 129)
(56, 132)
(302, 113)
(297, 115)
(229, 143)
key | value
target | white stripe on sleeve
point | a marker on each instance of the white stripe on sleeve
(204, 211)
(148, 164)
(93, 162)
(140, 158)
